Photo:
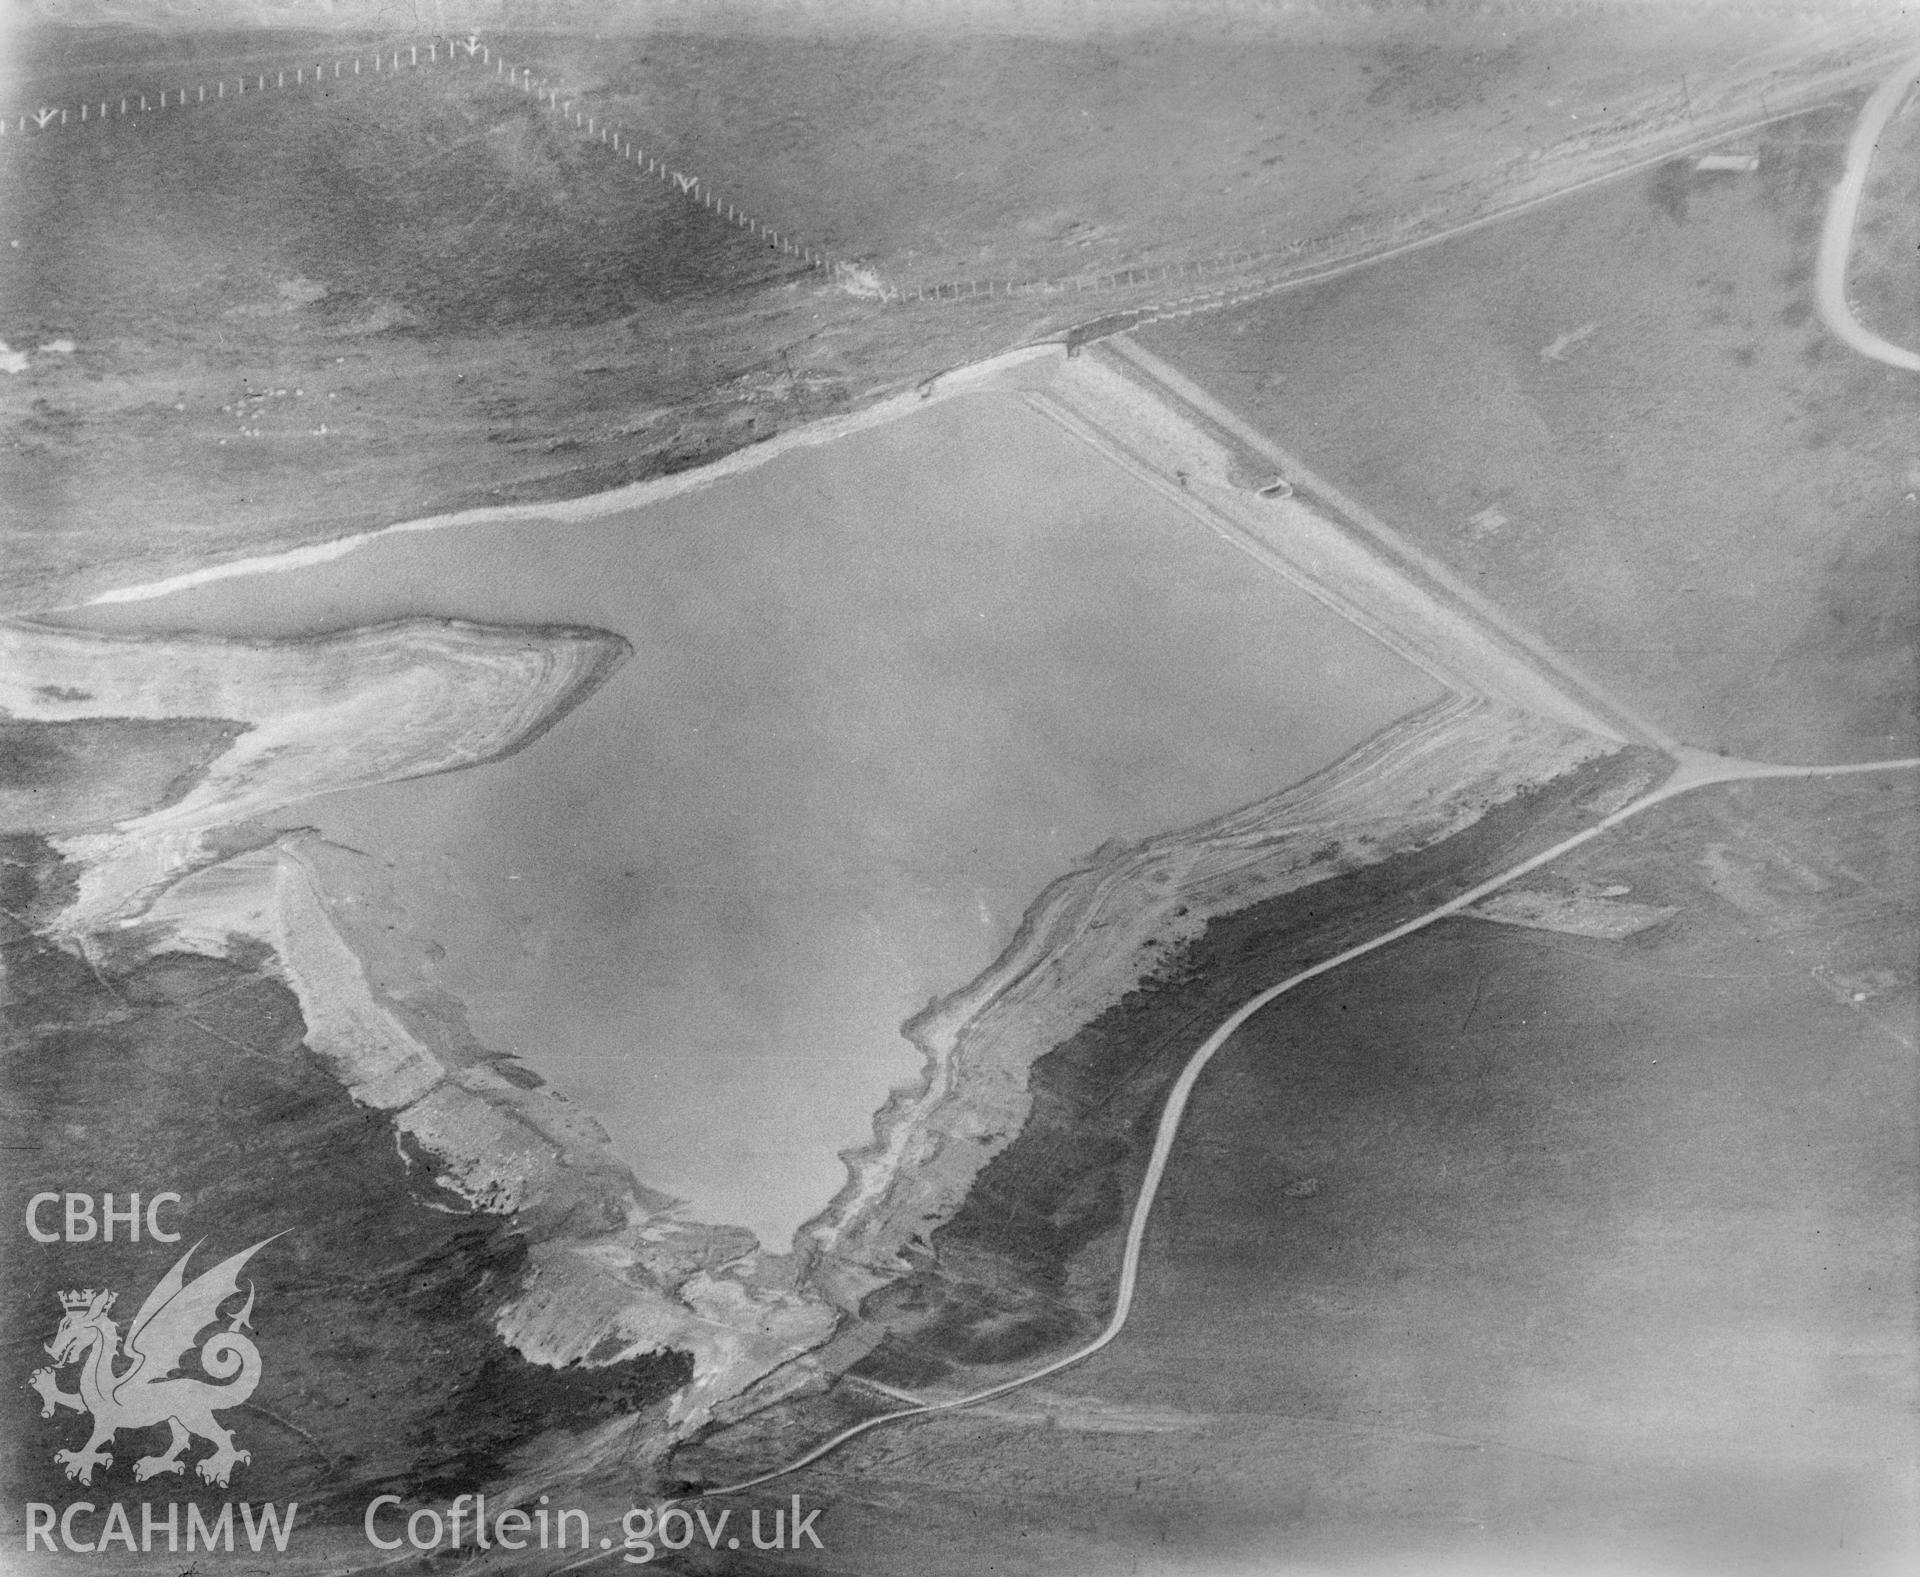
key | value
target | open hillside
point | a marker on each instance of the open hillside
(470, 296)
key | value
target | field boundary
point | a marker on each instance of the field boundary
(1254, 290)
(1292, 263)
(391, 62)
(1317, 258)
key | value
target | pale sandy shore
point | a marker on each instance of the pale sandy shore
(390, 703)
(1004, 371)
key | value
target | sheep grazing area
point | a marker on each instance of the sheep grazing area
(1619, 417)
(501, 309)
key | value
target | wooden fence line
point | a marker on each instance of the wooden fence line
(1080, 284)
(608, 135)
(174, 98)
(1287, 255)
(615, 137)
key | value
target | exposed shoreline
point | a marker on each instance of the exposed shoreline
(1107, 929)
(620, 1268)
(998, 371)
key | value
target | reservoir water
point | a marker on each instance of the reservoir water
(883, 691)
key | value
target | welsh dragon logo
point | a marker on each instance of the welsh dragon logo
(148, 1392)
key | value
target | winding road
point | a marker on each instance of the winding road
(1843, 218)
(1696, 769)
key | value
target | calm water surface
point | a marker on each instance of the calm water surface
(883, 691)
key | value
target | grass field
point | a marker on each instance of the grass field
(1497, 1248)
(1498, 1251)
(1884, 278)
(352, 304)
(1618, 417)
(510, 316)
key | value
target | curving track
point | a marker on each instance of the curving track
(1696, 769)
(1843, 216)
